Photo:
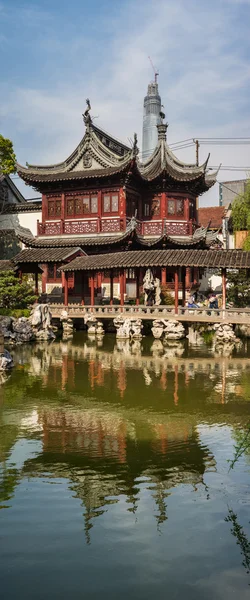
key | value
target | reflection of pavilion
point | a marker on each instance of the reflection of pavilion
(104, 455)
(65, 365)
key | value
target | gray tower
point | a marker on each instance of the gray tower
(151, 118)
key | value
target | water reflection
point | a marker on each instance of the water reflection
(114, 419)
(163, 367)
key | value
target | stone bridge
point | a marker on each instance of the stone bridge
(234, 316)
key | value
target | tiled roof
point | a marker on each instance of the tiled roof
(66, 176)
(44, 255)
(200, 238)
(162, 258)
(212, 216)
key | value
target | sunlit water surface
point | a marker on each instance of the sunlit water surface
(114, 473)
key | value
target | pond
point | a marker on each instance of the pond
(114, 472)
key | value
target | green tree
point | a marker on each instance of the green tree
(241, 210)
(13, 293)
(7, 156)
(238, 288)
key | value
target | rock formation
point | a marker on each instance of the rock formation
(95, 327)
(41, 322)
(16, 331)
(169, 330)
(225, 339)
(67, 325)
(6, 361)
(128, 328)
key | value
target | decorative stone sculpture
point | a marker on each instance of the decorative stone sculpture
(157, 285)
(6, 361)
(152, 289)
(128, 328)
(95, 328)
(41, 322)
(170, 330)
(225, 339)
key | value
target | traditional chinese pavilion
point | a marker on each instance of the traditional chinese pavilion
(102, 199)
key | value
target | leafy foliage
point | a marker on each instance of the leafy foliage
(242, 540)
(239, 214)
(13, 293)
(15, 312)
(7, 156)
(166, 296)
(241, 210)
(238, 288)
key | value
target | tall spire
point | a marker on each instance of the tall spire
(151, 118)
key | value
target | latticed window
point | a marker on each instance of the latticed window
(171, 207)
(130, 273)
(176, 207)
(179, 206)
(53, 273)
(82, 205)
(70, 207)
(155, 207)
(54, 208)
(110, 203)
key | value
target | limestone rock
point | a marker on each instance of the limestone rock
(95, 327)
(128, 328)
(41, 322)
(171, 329)
(6, 361)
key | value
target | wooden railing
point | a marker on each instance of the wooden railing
(81, 226)
(202, 315)
(97, 224)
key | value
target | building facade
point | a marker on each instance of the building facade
(229, 190)
(103, 199)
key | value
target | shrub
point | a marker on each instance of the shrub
(15, 312)
(14, 293)
(166, 296)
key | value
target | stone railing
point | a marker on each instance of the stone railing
(204, 314)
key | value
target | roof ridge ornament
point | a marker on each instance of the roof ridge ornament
(135, 145)
(86, 116)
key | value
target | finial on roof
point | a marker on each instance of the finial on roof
(135, 145)
(86, 116)
(162, 131)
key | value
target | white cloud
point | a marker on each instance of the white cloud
(204, 80)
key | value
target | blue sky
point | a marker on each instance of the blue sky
(55, 54)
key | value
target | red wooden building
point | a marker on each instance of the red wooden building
(102, 199)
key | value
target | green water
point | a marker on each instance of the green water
(114, 478)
